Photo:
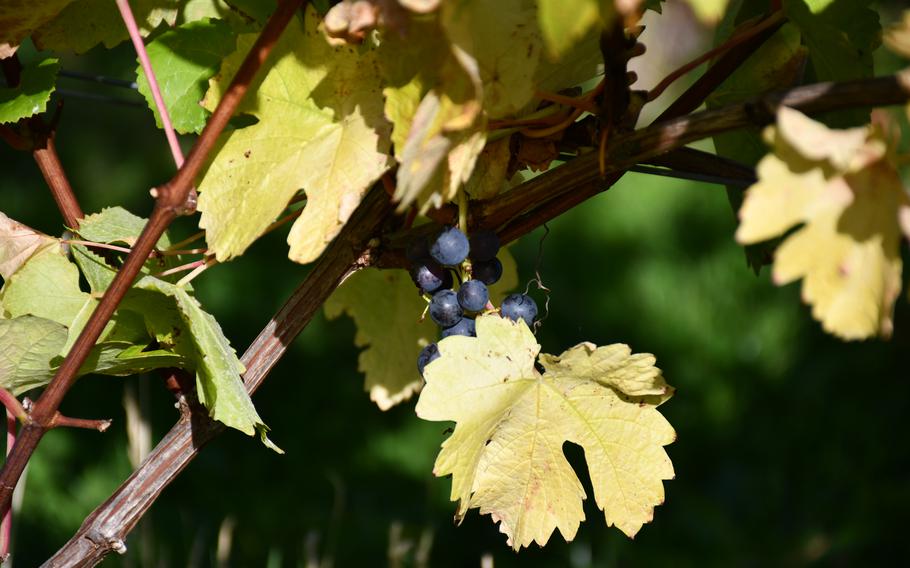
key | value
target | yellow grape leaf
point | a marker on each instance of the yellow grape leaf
(505, 455)
(19, 18)
(501, 36)
(841, 186)
(897, 38)
(389, 329)
(18, 243)
(320, 127)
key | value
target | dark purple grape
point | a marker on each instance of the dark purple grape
(484, 245)
(450, 247)
(519, 306)
(444, 308)
(473, 296)
(429, 354)
(418, 250)
(431, 277)
(465, 327)
(489, 272)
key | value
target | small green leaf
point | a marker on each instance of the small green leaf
(184, 58)
(115, 225)
(28, 344)
(219, 385)
(30, 97)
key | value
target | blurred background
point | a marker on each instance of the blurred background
(790, 448)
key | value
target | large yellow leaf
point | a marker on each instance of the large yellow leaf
(505, 454)
(320, 127)
(842, 188)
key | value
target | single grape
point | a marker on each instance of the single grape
(519, 306)
(418, 250)
(484, 245)
(444, 308)
(429, 354)
(473, 296)
(489, 272)
(450, 247)
(430, 277)
(465, 326)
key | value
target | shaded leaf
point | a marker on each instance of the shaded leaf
(20, 18)
(390, 331)
(505, 454)
(28, 344)
(37, 82)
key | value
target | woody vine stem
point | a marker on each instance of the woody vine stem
(512, 214)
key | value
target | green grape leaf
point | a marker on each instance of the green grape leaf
(321, 127)
(123, 359)
(83, 24)
(488, 178)
(47, 286)
(37, 82)
(115, 225)
(841, 186)
(184, 59)
(98, 274)
(219, 385)
(390, 331)
(20, 18)
(505, 454)
(841, 37)
(28, 345)
(581, 63)
(18, 243)
(777, 64)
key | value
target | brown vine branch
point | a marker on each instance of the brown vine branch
(61, 421)
(106, 528)
(39, 139)
(170, 202)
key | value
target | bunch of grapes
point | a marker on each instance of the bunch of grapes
(433, 263)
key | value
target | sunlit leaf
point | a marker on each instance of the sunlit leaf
(184, 58)
(842, 191)
(505, 455)
(320, 127)
(17, 244)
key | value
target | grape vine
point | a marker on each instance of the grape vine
(425, 137)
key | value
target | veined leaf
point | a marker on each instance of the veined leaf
(28, 345)
(30, 97)
(20, 18)
(184, 58)
(321, 127)
(18, 243)
(505, 454)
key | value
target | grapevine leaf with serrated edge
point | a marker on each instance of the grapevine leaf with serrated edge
(505, 454)
(18, 243)
(321, 127)
(842, 188)
(184, 58)
(219, 385)
(30, 96)
(28, 345)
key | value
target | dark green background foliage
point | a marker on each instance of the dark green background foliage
(790, 448)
